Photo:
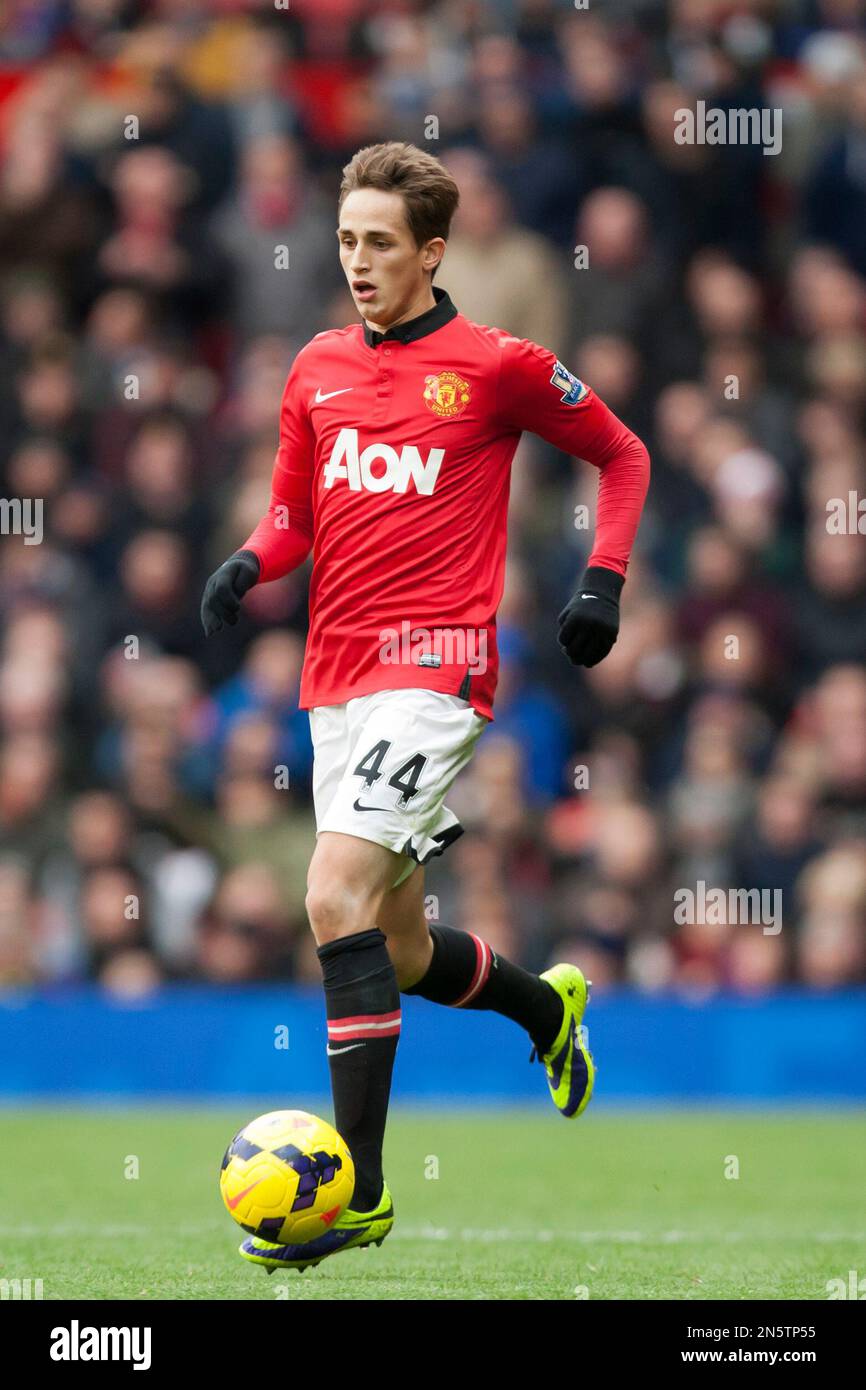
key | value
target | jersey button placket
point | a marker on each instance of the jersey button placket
(384, 386)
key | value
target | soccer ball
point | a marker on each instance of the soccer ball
(287, 1177)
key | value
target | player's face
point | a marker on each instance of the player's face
(388, 274)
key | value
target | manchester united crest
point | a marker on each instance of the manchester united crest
(446, 393)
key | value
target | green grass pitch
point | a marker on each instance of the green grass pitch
(490, 1205)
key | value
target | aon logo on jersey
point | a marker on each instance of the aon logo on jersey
(380, 467)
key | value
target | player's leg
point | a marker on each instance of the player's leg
(404, 924)
(347, 881)
(457, 968)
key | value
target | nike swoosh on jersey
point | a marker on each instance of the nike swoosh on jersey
(326, 396)
(359, 807)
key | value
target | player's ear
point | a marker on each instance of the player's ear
(433, 253)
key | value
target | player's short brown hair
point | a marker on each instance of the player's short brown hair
(428, 190)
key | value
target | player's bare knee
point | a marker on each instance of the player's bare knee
(329, 909)
(335, 910)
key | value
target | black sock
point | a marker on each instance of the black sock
(362, 1002)
(466, 974)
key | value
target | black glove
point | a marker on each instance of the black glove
(589, 624)
(221, 601)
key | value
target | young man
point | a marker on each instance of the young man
(396, 441)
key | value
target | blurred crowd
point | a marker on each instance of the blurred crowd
(155, 809)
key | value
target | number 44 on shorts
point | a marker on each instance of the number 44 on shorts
(404, 780)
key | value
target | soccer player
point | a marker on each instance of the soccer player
(396, 441)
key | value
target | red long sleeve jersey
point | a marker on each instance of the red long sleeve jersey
(393, 466)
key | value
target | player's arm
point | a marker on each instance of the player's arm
(284, 536)
(536, 393)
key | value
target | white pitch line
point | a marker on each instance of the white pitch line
(488, 1236)
(439, 1233)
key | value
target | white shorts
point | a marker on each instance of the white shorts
(384, 763)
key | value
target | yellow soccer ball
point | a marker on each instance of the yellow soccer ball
(287, 1177)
